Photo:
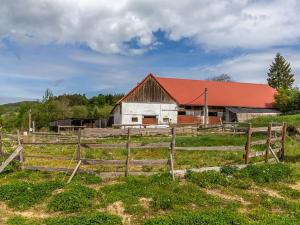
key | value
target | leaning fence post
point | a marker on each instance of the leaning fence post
(172, 150)
(78, 152)
(128, 153)
(248, 144)
(21, 152)
(1, 149)
(283, 139)
(269, 136)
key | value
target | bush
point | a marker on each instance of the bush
(208, 179)
(266, 173)
(74, 199)
(24, 195)
(89, 219)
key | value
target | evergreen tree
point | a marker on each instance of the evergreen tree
(280, 73)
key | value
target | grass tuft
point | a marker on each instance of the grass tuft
(76, 198)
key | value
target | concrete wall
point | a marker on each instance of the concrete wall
(129, 110)
(241, 117)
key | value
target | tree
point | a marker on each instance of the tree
(280, 73)
(48, 95)
(223, 78)
(287, 99)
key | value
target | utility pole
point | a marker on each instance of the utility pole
(205, 108)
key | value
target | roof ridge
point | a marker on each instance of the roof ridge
(211, 81)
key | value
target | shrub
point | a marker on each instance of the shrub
(24, 195)
(89, 219)
(209, 179)
(266, 173)
(74, 199)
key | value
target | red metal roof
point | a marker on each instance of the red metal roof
(235, 94)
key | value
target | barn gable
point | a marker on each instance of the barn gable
(148, 91)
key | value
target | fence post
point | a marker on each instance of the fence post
(21, 152)
(248, 144)
(128, 153)
(269, 136)
(172, 151)
(78, 152)
(33, 131)
(1, 149)
(283, 139)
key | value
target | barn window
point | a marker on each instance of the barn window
(134, 119)
(212, 113)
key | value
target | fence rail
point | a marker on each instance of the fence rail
(128, 162)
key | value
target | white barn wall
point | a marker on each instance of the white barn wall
(161, 110)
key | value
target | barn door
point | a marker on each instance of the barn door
(149, 120)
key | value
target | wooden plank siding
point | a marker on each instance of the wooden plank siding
(149, 91)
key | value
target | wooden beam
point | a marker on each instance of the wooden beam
(269, 136)
(1, 145)
(10, 158)
(172, 152)
(248, 144)
(74, 172)
(128, 152)
(284, 131)
(212, 148)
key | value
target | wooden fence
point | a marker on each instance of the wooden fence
(271, 138)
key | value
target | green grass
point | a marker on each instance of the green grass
(74, 199)
(220, 217)
(22, 196)
(292, 120)
(86, 219)
(266, 173)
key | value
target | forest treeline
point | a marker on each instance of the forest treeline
(50, 108)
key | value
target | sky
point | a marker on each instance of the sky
(104, 46)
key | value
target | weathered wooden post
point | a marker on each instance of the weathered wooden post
(268, 144)
(283, 139)
(33, 131)
(1, 148)
(29, 122)
(128, 152)
(248, 144)
(21, 152)
(78, 152)
(172, 151)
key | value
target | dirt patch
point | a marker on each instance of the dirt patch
(7, 212)
(117, 208)
(272, 193)
(295, 186)
(219, 194)
(145, 202)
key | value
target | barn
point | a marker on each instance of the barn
(162, 101)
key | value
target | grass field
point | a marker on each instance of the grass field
(260, 194)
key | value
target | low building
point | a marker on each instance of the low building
(161, 101)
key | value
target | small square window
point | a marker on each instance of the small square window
(134, 119)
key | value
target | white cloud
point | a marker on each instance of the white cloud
(106, 26)
(252, 67)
